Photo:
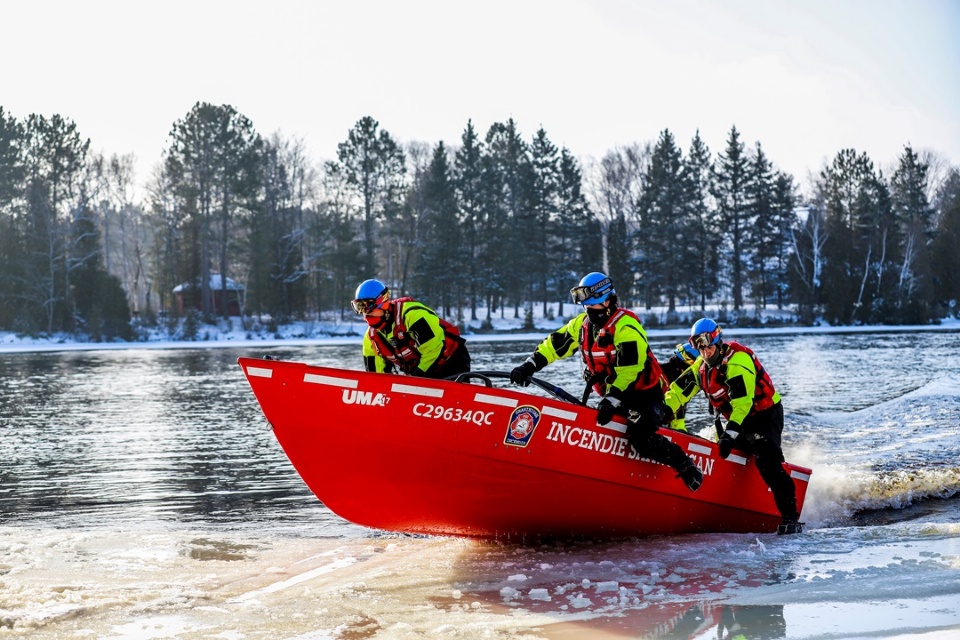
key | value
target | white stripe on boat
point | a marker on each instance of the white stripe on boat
(417, 391)
(316, 378)
(259, 372)
(800, 476)
(615, 426)
(698, 448)
(738, 459)
(559, 413)
(505, 402)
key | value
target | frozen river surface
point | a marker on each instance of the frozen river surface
(142, 496)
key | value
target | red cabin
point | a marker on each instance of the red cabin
(188, 295)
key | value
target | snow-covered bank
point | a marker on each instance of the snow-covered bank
(305, 334)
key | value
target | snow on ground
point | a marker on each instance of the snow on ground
(348, 330)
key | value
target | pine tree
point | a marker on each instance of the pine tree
(915, 216)
(619, 257)
(510, 218)
(102, 309)
(214, 165)
(730, 192)
(441, 269)
(468, 180)
(55, 159)
(861, 236)
(578, 241)
(278, 276)
(945, 259)
(760, 238)
(545, 213)
(699, 250)
(784, 223)
(12, 189)
(374, 166)
(663, 213)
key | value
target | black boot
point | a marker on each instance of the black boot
(789, 526)
(784, 492)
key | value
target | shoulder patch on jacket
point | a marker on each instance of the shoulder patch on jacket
(628, 354)
(421, 331)
(738, 389)
(687, 381)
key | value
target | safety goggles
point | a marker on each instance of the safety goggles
(363, 307)
(582, 293)
(703, 340)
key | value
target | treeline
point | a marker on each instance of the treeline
(496, 225)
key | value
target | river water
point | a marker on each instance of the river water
(142, 495)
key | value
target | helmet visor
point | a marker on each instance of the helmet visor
(364, 306)
(703, 340)
(582, 293)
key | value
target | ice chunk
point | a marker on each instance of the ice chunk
(611, 585)
(509, 593)
(539, 594)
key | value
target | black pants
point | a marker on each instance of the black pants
(458, 362)
(646, 413)
(760, 435)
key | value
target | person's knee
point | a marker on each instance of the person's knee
(641, 437)
(643, 425)
(768, 454)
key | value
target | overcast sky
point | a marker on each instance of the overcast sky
(804, 78)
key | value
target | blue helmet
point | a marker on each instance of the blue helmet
(371, 294)
(686, 352)
(705, 332)
(594, 288)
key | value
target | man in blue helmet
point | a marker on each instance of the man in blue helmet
(739, 388)
(407, 336)
(680, 360)
(621, 367)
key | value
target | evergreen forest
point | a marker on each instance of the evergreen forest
(500, 223)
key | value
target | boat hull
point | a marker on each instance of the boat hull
(437, 457)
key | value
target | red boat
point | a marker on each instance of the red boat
(468, 458)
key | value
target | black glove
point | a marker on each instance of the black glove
(521, 375)
(726, 446)
(726, 440)
(606, 409)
